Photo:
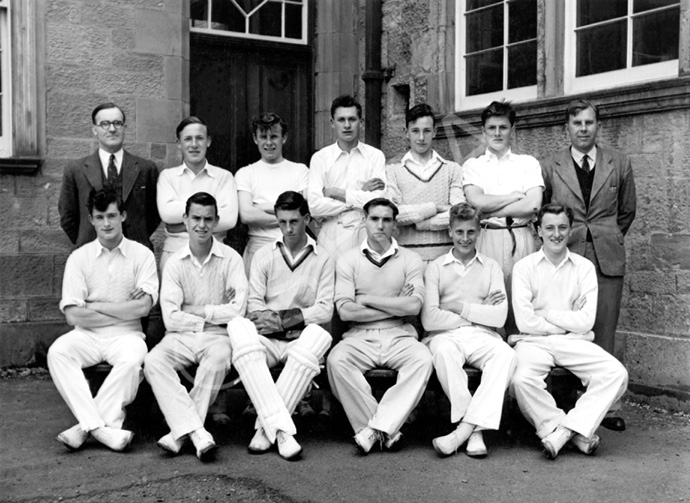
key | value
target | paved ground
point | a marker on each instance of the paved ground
(650, 462)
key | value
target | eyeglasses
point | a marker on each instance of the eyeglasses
(106, 124)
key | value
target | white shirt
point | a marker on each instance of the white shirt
(423, 171)
(512, 172)
(105, 160)
(578, 156)
(460, 268)
(392, 250)
(333, 167)
(176, 185)
(265, 182)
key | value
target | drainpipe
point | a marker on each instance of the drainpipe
(373, 75)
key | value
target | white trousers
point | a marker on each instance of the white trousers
(254, 244)
(604, 377)
(185, 412)
(361, 350)
(301, 356)
(337, 239)
(485, 350)
(76, 350)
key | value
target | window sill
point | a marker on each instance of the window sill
(20, 165)
(671, 94)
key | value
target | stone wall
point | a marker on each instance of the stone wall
(132, 53)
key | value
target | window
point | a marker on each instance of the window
(273, 20)
(497, 57)
(620, 42)
(5, 80)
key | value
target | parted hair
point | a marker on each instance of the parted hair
(192, 119)
(101, 199)
(291, 200)
(555, 209)
(106, 106)
(577, 106)
(381, 201)
(417, 112)
(345, 101)
(202, 199)
(499, 109)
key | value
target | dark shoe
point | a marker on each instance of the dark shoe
(614, 423)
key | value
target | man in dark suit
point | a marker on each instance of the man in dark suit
(598, 184)
(132, 177)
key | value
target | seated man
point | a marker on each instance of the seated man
(555, 302)
(203, 288)
(290, 293)
(109, 284)
(377, 284)
(465, 295)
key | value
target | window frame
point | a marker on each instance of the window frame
(616, 78)
(462, 100)
(6, 136)
(304, 40)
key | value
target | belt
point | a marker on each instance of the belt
(509, 227)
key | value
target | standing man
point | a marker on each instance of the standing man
(109, 284)
(133, 178)
(465, 298)
(555, 301)
(424, 186)
(195, 174)
(377, 285)
(598, 184)
(260, 183)
(507, 188)
(203, 289)
(343, 177)
(290, 294)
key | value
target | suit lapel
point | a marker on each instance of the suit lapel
(566, 171)
(94, 172)
(602, 170)
(130, 172)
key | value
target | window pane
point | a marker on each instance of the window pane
(293, 21)
(655, 38)
(522, 20)
(484, 72)
(522, 65)
(198, 11)
(225, 16)
(643, 5)
(267, 20)
(593, 11)
(476, 4)
(247, 5)
(601, 49)
(485, 29)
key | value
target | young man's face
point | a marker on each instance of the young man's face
(110, 139)
(582, 129)
(497, 131)
(554, 232)
(380, 224)
(420, 133)
(270, 143)
(293, 226)
(464, 234)
(193, 143)
(200, 222)
(345, 121)
(108, 224)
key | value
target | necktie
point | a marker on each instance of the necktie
(585, 163)
(112, 170)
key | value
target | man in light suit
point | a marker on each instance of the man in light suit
(133, 178)
(597, 183)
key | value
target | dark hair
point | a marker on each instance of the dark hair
(417, 112)
(499, 109)
(381, 201)
(202, 199)
(345, 101)
(291, 200)
(106, 106)
(192, 119)
(577, 106)
(266, 121)
(555, 209)
(101, 199)
(464, 212)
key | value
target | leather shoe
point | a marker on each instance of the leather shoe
(114, 438)
(366, 438)
(555, 441)
(73, 438)
(288, 448)
(169, 444)
(446, 445)
(586, 445)
(203, 442)
(260, 443)
(391, 442)
(616, 423)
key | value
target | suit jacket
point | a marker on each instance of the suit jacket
(611, 207)
(139, 179)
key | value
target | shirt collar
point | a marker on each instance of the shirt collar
(450, 258)
(392, 250)
(216, 249)
(310, 242)
(542, 257)
(336, 151)
(184, 169)
(577, 155)
(122, 246)
(434, 158)
(105, 157)
(490, 156)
